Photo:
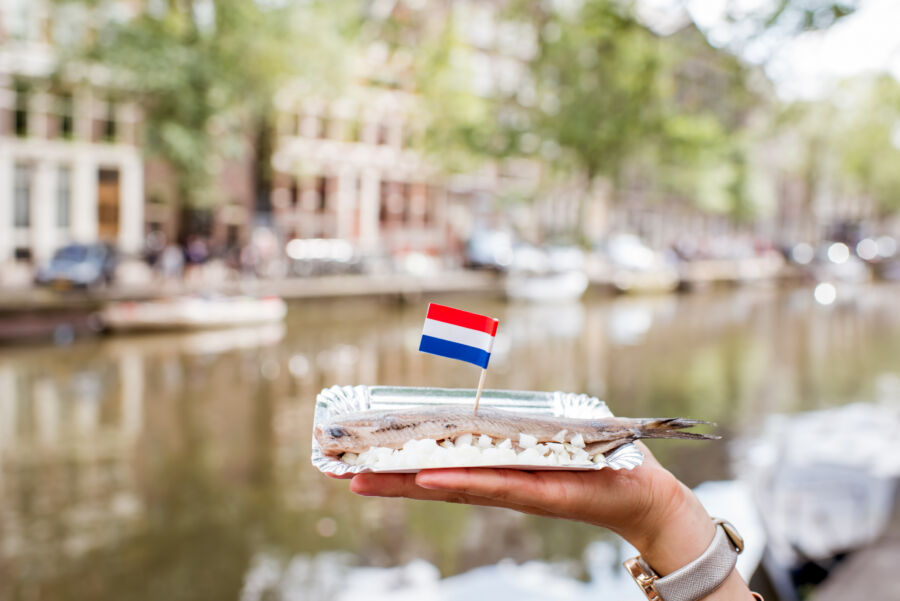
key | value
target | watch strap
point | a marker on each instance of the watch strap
(703, 575)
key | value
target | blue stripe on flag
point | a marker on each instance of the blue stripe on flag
(454, 350)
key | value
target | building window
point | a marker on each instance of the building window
(66, 117)
(356, 132)
(294, 194)
(20, 19)
(108, 203)
(21, 111)
(109, 124)
(383, 134)
(322, 193)
(22, 196)
(232, 236)
(63, 197)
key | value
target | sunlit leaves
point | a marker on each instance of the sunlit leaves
(206, 73)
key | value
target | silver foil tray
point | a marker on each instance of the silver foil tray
(339, 400)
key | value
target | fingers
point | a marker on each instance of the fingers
(382, 485)
(404, 485)
(507, 486)
(569, 494)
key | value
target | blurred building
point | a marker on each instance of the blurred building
(70, 165)
(344, 169)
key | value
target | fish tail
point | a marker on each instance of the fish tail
(671, 427)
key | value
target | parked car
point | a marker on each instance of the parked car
(489, 249)
(79, 266)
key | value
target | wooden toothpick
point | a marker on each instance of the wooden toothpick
(480, 386)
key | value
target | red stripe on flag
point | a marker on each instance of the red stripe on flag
(457, 317)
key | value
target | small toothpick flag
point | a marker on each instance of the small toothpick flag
(461, 335)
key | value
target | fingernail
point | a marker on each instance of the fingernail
(356, 490)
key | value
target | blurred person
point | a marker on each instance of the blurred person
(153, 247)
(249, 261)
(196, 253)
(171, 262)
(647, 506)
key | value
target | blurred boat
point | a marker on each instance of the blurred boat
(198, 341)
(629, 265)
(764, 267)
(550, 274)
(551, 287)
(192, 312)
(824, 485)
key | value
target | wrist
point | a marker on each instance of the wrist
(675, 533)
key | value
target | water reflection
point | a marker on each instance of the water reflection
(169, 466)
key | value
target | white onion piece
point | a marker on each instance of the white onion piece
(527, 441)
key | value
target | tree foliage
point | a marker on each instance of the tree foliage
(867, 139)
(598, 81)
(207, 73)
(611, 98)
(602, 96)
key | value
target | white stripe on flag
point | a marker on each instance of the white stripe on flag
(454, 333)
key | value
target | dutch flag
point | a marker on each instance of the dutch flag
(457, 334)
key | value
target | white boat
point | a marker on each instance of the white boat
(551, 287)
(629, 265)
(192, 312)
(824, 483)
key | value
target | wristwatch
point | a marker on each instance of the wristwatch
(698, 578)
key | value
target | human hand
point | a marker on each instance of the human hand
(647, 506)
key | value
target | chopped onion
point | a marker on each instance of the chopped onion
(464, 440)
(560, 436)
(469, 451)
(527, 441)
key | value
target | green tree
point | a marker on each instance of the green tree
(207, 73)
(602, 97)
(868, 139)
(597, 75)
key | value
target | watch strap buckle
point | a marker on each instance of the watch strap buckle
(737, 541)
(644, 576)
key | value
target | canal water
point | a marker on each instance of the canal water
(176, 466)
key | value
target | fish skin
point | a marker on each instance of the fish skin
(359, 431)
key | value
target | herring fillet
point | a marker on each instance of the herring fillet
(360, 431)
